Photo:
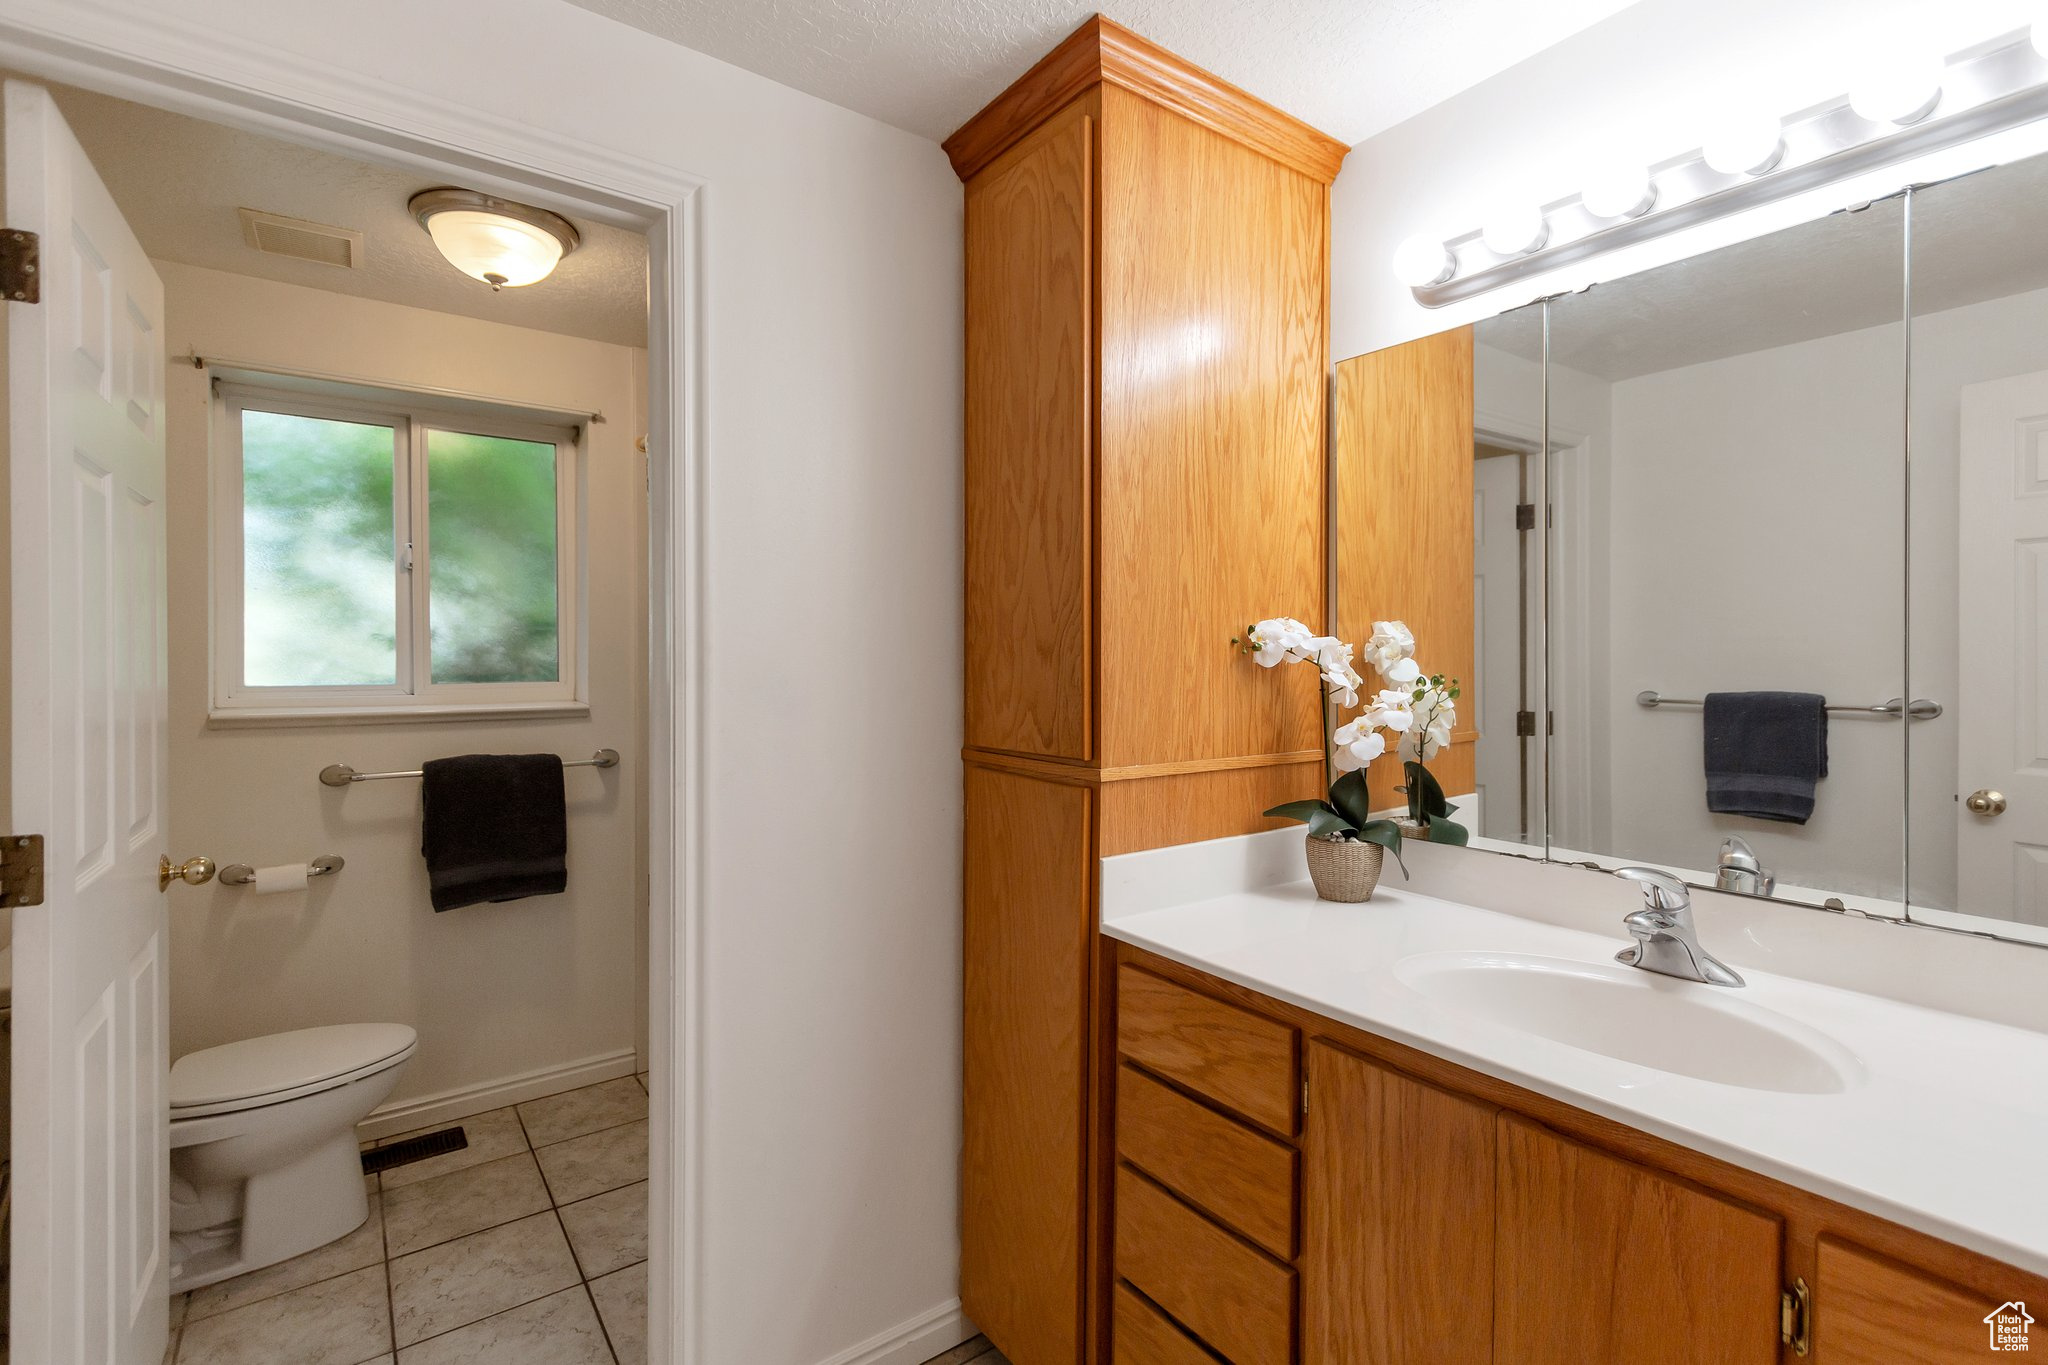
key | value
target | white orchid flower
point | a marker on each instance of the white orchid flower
(1333, 657)
(1357, 743)
(1438, 716)
(1391, 652)
(1282, 638)
(1391, 709)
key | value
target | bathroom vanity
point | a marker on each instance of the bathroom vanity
(1422, 1130)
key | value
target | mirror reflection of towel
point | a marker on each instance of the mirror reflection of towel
(1765, 753)
(493, 827)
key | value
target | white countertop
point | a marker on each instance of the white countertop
(1942, 1127)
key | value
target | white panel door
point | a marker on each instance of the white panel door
(1495, 690)
(91, 1143)
(2002, 704)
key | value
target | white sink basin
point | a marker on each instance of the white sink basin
(1683, 1027)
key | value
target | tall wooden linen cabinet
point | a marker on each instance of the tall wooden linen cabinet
(1147, 351)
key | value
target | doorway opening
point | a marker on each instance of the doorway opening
(524, 435)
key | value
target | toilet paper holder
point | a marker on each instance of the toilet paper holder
(241, 874)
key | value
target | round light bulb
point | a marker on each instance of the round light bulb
(1515, 231)
(1745, 144)
(1623, 190)
(1898, 88)
(1422, 261)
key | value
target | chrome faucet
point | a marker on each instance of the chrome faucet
(1666, 941)
(1739, 870)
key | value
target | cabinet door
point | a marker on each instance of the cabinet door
(1398, 1214)
(1604, 1262)
(1872, 1311)
(1025, 1075)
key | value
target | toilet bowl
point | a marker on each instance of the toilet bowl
(264, 1159)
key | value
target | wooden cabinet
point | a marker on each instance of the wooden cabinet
(1447, 1218)
(1607, 1262)
(1874, 1311)
(1147, 272)
(1398, 1200)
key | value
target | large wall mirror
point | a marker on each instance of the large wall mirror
(1785, 627)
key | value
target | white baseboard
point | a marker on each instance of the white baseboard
(912, 1342)
(424, 1110)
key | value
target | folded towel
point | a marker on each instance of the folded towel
(494, 827)
(1765, 751)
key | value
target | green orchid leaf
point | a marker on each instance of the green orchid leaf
(1387, 835)
(1352, 798)
(1425, 794)
(1442, 831)
(1319, 816)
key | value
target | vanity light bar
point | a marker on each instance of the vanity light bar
(1999, 88)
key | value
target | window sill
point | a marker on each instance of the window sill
(310, 717)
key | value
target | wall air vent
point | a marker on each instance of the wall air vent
(301, 240)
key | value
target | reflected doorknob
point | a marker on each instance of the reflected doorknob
(192, 872)
(1985, 801)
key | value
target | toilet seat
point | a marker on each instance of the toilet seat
(283, 1066)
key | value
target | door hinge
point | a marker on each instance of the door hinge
(1525, 516)
(21, 266)
(1795, 1317)
(1525, 724)
(1304, 1096)
(21, 869)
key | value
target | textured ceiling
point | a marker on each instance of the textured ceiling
(179, 181)
(1974, 239)
(1349, 67)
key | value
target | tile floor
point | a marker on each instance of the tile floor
(975, 1349)
(528, 1247)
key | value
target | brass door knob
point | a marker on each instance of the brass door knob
(1985, 801)
(192, 872)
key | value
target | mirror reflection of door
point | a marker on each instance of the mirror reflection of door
(1503, 537)
(2001, 811)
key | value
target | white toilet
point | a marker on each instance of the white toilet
(264, 1160)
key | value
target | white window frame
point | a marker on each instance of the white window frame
(414, 695)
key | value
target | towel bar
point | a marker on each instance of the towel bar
(1922, 708)
(241, 874)
(340, 774)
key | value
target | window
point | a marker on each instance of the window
(377, 552)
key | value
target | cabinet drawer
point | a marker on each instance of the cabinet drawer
(1243, 1061)
(1141, 1335)
(1240, 1175)
(1234, 1298)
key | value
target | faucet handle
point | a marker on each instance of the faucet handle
(1661, 890)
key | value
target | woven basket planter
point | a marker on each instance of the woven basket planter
(1344, 869)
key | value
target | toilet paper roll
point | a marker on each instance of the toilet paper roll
(290, 877)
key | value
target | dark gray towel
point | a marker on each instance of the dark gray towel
(494, 827)
(1765, 752)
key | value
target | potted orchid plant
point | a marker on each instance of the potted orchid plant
(1346, 845)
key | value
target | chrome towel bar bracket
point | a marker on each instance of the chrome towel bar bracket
(340, 774)
(241, 874)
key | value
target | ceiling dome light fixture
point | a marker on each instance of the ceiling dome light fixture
(1515, 231)
(494, 240)
(1898, 87)
(1623, 190)
(1422, 261)
(1745, 144)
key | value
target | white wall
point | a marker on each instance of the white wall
(1640, 84)
(1754, 517)
(496, 992)
(831, 383)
